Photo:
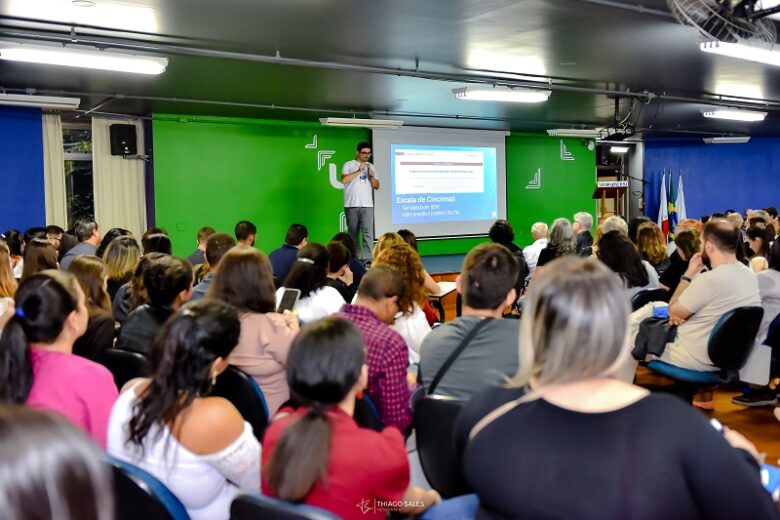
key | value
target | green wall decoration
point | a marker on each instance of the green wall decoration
(216, 171)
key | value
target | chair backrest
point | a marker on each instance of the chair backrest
(642, 298)
(138, 494)
(253, 506)
(240, 389)
(434, 420)
(773, 333)
(366, 414)
(124, 365)
(732, 338)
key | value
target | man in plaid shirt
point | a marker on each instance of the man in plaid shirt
(387, 355)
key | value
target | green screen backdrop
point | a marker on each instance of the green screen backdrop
(214, 172)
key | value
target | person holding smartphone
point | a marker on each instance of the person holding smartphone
(360, 181)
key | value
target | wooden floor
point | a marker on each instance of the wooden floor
(757, 424)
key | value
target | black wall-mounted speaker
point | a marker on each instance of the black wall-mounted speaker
(123, 140)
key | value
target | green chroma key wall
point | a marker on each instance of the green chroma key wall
(216, 171)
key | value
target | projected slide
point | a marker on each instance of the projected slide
(443, 183)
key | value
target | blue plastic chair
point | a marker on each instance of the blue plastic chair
(139, 494)
(366, 413)
(728, 347)
(243, 392)
(252, 506)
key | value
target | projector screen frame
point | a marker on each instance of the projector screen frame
(382, 142)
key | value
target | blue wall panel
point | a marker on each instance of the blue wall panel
(716, 177)
(22, 203)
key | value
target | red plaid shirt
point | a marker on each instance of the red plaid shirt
(387, 358)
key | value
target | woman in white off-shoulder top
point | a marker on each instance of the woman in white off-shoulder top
(199, 447)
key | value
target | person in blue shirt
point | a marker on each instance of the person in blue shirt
(284, 257)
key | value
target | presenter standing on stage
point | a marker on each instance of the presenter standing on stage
(359, 179)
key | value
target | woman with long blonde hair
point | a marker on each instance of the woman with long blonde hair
(412, 325)
(651, 244)
(7, 285)
(121, 257)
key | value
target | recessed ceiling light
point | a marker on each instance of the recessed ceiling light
(83, 3)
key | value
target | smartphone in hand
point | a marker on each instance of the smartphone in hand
(289, 300)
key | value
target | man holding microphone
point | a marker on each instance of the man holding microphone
(359, 179)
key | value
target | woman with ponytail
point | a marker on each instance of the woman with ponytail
(317, 454)
(36, 362)
(198, 446)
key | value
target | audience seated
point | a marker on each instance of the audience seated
(632, 229)
(90, 273)
(316, 454)
(385, 241)
(156, 240)
(283, 258)
(310, 275)
(618, 253)
(581, 225)
(88, 234)
(168, 285)
(687, 244)
(430, 284)
(199, 447)
(39, 255)
(198, 256)
(774, 220)
(246, 233)
(121, 258)
(651, 244)
(759, 238)
(109, 237)
(702, 298)
(566, 440)
(245, 281)
(54, 236)
(615, 223)
(561, 243)
(387, 355)
(355, 265)
(13, 239)
(486, 283)
(216, 246)
(412, 324)
(37, 366)
(7, 286)
(769, 290)
(340, 276)
(501, 232)
(50, 470)
(132, 295)
(531, 253)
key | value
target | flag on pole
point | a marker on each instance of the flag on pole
(672, 209)
(663, 208)
(680, 204)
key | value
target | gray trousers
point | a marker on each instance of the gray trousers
(361, 220)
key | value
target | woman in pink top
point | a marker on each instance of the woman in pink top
(37, 366)
(244, 280)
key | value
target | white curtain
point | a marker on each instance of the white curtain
(120, 195)
(55, 195)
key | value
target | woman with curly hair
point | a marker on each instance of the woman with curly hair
(412, 325)
(652, 246)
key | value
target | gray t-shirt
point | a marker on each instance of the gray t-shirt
(358, 193)
(708, 297)
(493, 352)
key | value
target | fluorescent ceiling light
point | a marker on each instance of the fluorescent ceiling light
(742, 52)
(113, 14)
(735, 114)
(726, 140)
(507, 94)
(618, 149)
(353, 121)
(24, 100)
(573, 132)
(82, 57)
